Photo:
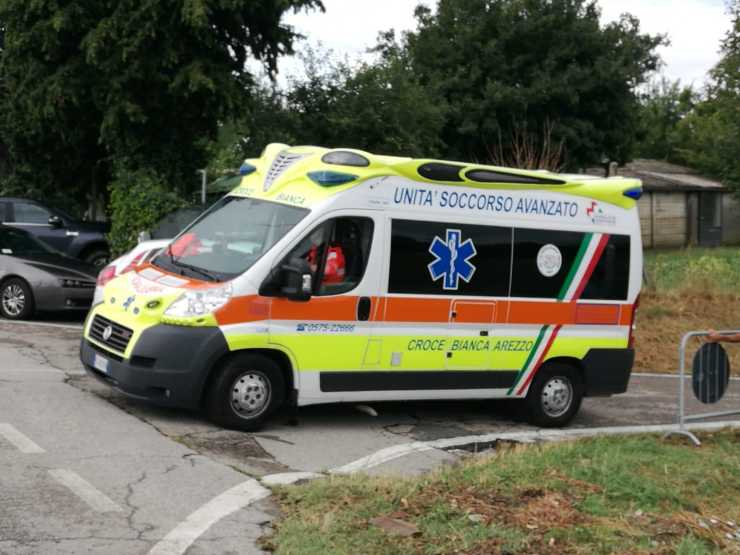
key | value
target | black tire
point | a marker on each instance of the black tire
(246, 391)
(13, 291)
(551, 409)
(97, 258)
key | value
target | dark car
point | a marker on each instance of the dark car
(35, 277)
(62, 232)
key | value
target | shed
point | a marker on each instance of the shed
(679, 207)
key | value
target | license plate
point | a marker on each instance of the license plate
(100, 363)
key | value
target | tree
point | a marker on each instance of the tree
(710, 134)
(663, 105)
(141, 82)
(378, 106)
(502, 65)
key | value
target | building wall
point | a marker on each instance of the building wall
(730, 220)
(663, 219)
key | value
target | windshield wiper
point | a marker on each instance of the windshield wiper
(195, 269)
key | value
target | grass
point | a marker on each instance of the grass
(639, 494)
(689, 289)
(694, 269)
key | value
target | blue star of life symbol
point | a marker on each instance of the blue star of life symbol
(452, 259)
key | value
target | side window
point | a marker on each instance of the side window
(610, 279)
(543, 279)
(26, 213)
(432, 258)
(337, 252)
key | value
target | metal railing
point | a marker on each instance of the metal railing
(710, 384)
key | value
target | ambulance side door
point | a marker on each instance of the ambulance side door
(329, 332)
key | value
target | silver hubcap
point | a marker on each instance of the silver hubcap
(250, 394)
(14, 300)
(557, 396)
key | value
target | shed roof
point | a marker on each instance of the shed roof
(657, 175)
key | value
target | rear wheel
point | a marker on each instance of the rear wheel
(247, 389)
(16, 299)
(554, 396)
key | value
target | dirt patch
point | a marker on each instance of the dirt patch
(662, 320)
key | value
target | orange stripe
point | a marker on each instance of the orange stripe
(470, 312)
(597, 314)
(410, 309)
(252, 308)
(625, 314)
(541, 312)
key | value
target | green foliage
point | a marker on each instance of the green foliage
(502, 65)
(138, 199)
(141, 82)
(701, 131)
(380, 107)
(694, 269)
(663, 106)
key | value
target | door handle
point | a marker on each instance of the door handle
(363, 309)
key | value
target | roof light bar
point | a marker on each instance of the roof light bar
(330, 179)
(345, 158)
(246, 169)
(635, 193)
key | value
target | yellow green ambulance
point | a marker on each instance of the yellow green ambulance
(342, 276)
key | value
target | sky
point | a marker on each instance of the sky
(695, 28)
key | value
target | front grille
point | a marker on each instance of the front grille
(119, 337)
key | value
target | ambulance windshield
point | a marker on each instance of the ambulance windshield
(229, 238)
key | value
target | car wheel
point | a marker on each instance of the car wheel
(16, 299)
(554, 396)
(246, 390)
(97, 258)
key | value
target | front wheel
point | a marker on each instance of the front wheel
(554, 396)
(247, 389)
(16, 299)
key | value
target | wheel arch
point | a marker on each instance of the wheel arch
(85, 249)
(573, 362)
(280, 357)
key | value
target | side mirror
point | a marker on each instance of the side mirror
(55, 221)
(296, 283)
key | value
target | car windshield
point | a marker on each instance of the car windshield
(19, 243)
(229, 238)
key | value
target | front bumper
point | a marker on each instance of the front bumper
(62, 298)
(607, 371)
(169, 365)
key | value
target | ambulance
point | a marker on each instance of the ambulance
(341, 276)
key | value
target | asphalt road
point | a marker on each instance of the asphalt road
(81, 476)
(86, 469)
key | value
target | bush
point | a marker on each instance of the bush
(138, 199)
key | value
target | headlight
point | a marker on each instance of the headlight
(199, 302)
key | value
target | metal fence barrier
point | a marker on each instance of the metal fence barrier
(710, 380)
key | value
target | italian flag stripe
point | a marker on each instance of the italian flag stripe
(588, 256)
(529, 358)
(537, 365)
(576, 264)
(600, 246)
